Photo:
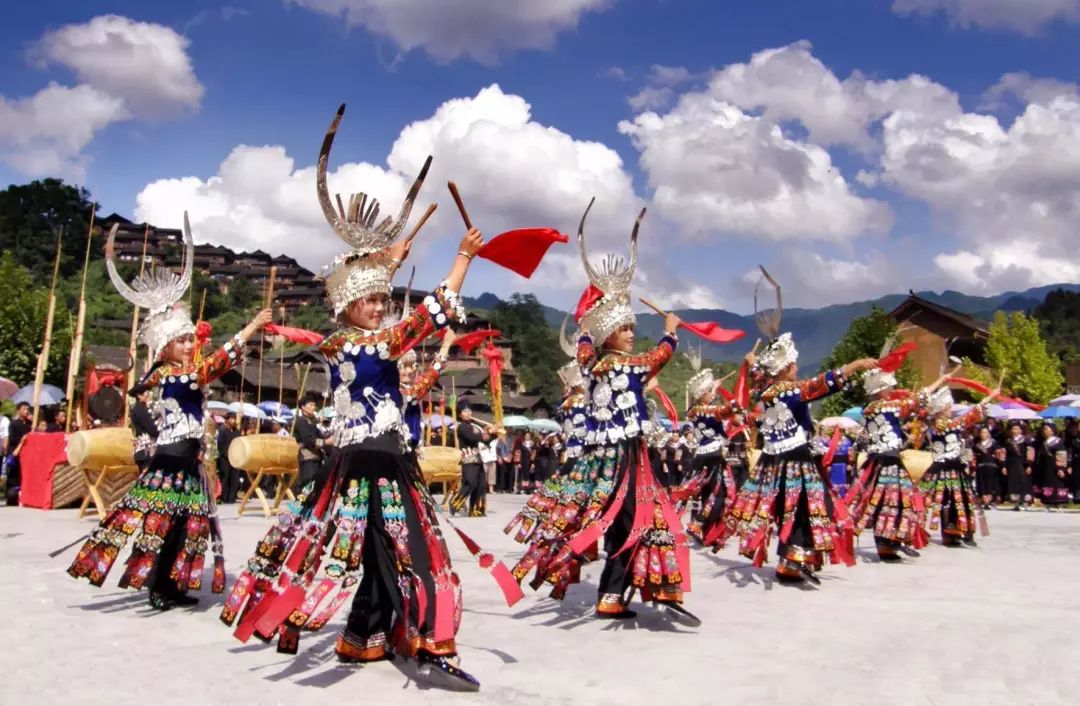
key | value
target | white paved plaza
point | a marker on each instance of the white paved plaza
(995, 625)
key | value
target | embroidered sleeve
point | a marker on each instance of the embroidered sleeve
(828, 383)
(221, 361)
(425, 380)
(655, 359)
(435, 313)
(586, 352)
(722, 412)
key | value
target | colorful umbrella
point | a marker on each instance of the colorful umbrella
(854, 413)
(247, 410)
(7, 388)
(842, 422)
(50, 395)
(216, 406)
(275, 409)
(1059, 412)
(1065, 401)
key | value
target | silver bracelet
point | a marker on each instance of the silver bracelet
(467, 255)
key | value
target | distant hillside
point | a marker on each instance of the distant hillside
(817, 330)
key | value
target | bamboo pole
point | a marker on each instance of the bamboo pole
(43, 356)
(262, 336)
(76, 345)
(300, 390)
(133, 353)
(453, 410)
(281, 367)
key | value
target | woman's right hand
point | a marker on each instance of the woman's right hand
(471, 243)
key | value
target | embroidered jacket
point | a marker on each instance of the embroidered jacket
(947, 435)
(786, 424)
(886, 418)
(617, 389)
(181, 391)
(709, 426)
(574, 415)
(364, 377)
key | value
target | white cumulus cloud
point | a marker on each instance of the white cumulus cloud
(1022, 16)
(145, 64)
(476, 29)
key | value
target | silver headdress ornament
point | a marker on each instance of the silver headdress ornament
(365, 270)
(612, 311)
(875, 379)
(780, 350)
(703, 381)
(158, 291)
(570, 374)
(940, 401)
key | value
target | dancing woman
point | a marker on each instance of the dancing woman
(366, 510)
(786, 490)
(884, 496)
(712, 486)
(615, 494)
(171, 506)
(946, 483)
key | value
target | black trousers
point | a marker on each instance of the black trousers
(379, 598)
(616, 576)
(309, 471)
(14, 480)
(504, 477)
(160, 580)
(230, 482)
(473, 487)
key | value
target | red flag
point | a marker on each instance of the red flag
(521, 250)
(469, 341)
(833, 443)
(892, 362)
(296, 335)
(589, 297)
(726, 394)
(979, 387)
(712, 331)
(742, 390)
(667, 404)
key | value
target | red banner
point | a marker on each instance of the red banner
(296, 335)
(712, 331)
(521, 250)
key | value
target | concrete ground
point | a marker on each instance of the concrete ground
(993, 625)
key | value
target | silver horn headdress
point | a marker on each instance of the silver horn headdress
(612, 311)
(366, 268)
(159, 291)
(703, 381)
(570, 373)
(780, 350)
(875, 379)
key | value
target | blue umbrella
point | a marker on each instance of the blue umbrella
(50, 395)
(666, 423)
(275, 409)
(1059, 412)
(853, 413)
(515, 420)
(546, 425)
(247, 410)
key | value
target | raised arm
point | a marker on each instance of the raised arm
(231, 354)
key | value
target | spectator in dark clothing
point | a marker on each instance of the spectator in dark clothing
(310, 440)
(20, 427)
(231, 480)
(504, 475)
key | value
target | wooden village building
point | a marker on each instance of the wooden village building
(939, 332)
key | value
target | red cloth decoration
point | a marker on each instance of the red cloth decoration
(521, 250)
(742, 390)
(892, 362)
(203, 330)
(726, 394)
(507, 583)
(712, 331)
(981, 388)
(668, 405)
(468, 342)
(834, 442)
(95, 380)
(41, 453)
(294, 334)
(588, 298)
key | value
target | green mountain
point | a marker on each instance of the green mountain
(817, 330)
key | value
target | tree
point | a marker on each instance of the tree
(864, 338)
(243, 295)
(23, 309)
(1059, 317)
(537, 356)
(32, 214)
(1017, 347)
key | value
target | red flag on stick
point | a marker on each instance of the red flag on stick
(468, 342)
(892, 362)
(712, 331)
(296, 335)
(667, 404)
(979, 387)
(521, 250)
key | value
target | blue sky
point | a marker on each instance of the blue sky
(854, 147)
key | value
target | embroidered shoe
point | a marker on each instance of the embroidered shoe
(439, 671)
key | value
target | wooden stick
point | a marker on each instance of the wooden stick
(270, 287)
(420, 223)
(262, 336)
(43, 357)
(460, 204)
(202, 305)
(281, 367)
(652, 306)
(76, 347)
